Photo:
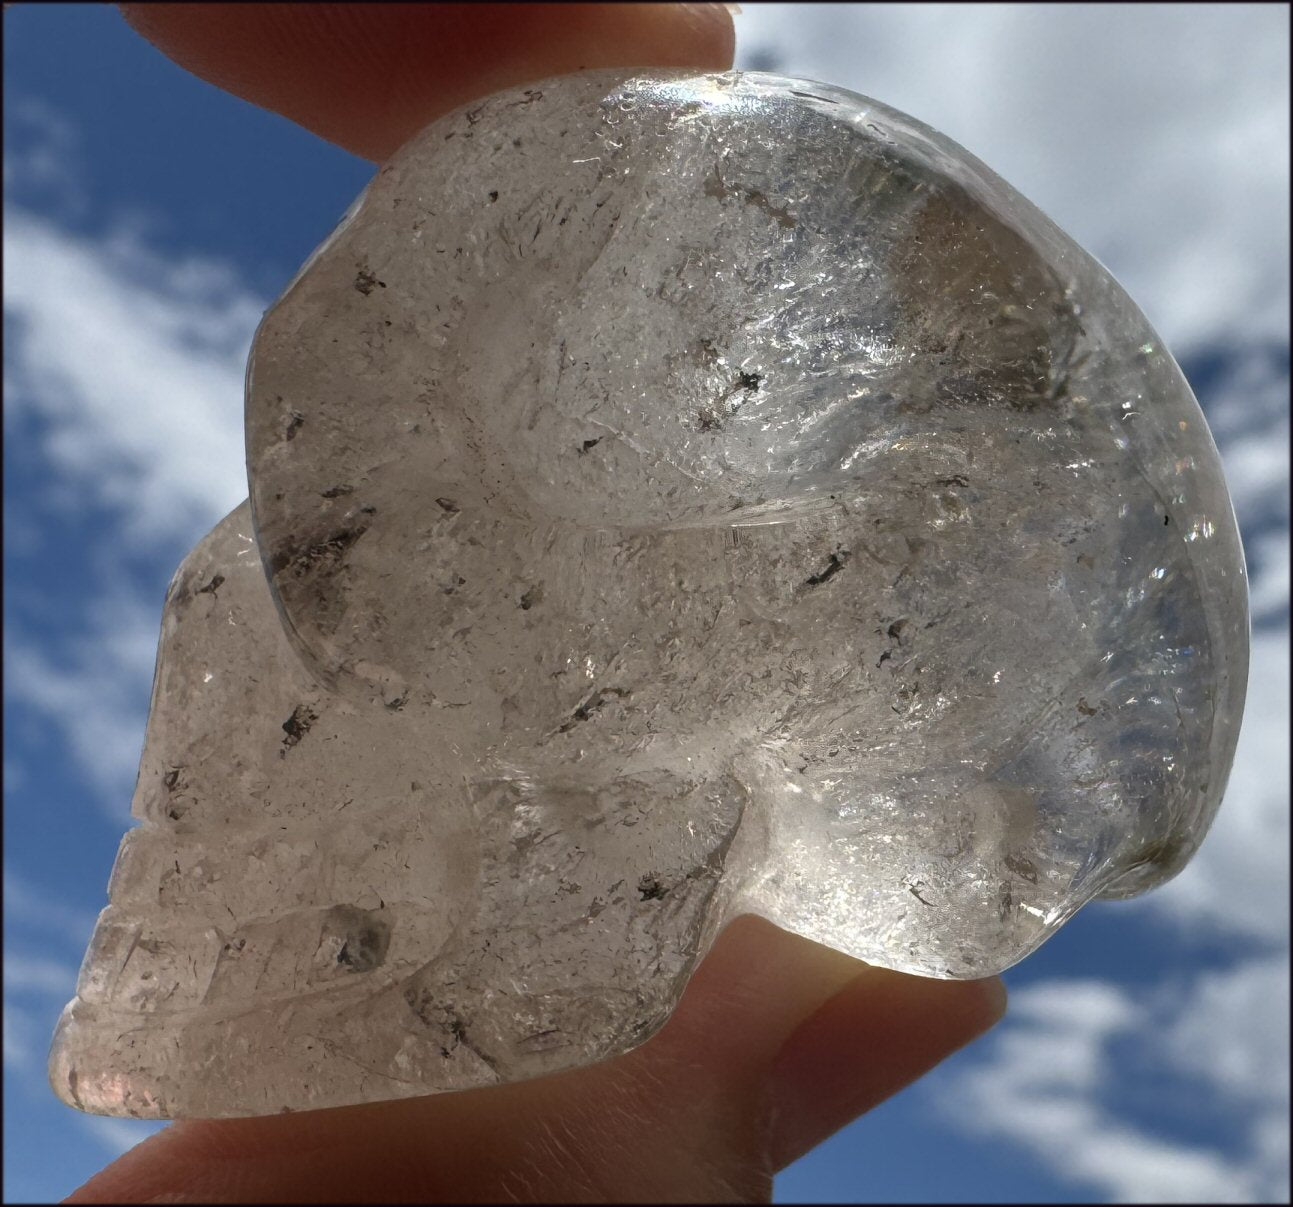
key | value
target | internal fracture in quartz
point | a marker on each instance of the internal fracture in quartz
(672, 496)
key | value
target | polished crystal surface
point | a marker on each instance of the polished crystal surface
(672, 496)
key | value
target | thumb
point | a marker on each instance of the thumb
(777, 1043)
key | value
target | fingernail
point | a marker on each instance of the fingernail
(875, 1036)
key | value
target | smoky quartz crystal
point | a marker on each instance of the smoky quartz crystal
(672, 496)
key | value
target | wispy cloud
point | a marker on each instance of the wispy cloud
(135, 366)
(93, 690)
(1047, 1081)
(1233, 1030)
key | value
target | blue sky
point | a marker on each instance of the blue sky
(150, 218)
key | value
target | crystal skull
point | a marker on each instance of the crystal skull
(671, 496)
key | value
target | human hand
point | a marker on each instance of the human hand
(778, 1041)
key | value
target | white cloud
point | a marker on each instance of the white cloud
(135, 365)
(1158, 137)
(1045, 1082)
(1234, 1031)
(94, 690)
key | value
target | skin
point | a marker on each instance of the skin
(778, 1041)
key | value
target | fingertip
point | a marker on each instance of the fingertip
(995, 998)
(878, 1034)
(712, 28)
(369, 76)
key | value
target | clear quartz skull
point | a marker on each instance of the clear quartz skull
(672, 496)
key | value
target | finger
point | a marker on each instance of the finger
(877, 1035)
(369, 76)
(777, 1043)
